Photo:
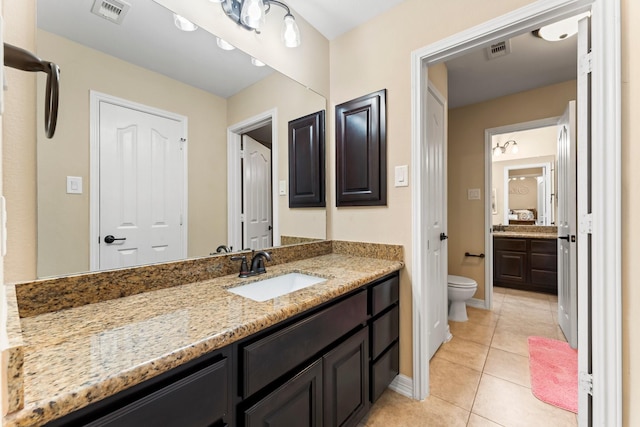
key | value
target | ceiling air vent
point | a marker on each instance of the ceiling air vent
(111, 10)
(499, 49)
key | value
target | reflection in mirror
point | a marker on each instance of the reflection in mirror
(150, 65)
(523, 183)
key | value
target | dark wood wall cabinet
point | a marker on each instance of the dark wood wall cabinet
(307, 161)
(526, 264)
(361, 152)
(323, 367)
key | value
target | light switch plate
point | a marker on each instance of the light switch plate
(402, 176)
(282, 188)
(473, 194)
(74, 185)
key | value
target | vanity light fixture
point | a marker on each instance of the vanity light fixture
(251, 15)
(223, 44)
(502, 149)
(183, 23)
(560, 30)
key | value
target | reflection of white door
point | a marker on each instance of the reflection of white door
(256, 190)
(436, 264)
(567, 227)
(141, 187)
(542, 205)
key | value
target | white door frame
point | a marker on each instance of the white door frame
(95, 98)
(234, 175)
(606, 222)
(488, 185)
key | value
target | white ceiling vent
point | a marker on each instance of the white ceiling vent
(499, 49)
(111, 10)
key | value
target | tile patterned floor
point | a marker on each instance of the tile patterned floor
(481, 377)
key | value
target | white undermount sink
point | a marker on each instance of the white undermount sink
(266, 289)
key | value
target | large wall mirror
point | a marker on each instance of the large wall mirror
(146, 61)
(524, 179)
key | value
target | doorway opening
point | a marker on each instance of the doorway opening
(259, 132)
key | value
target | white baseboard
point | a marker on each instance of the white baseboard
(477, 303)
(403, 385)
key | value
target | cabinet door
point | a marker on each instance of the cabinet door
(306, 161)
(510, 266)
(298, 402)
(346, 381)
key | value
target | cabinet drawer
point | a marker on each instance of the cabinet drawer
(383, 295)
(544, 246)
(547, 262)
(384, 331)
(269, 358)
(545, 278)
(509, 244)
(384, 371)
(199, 399)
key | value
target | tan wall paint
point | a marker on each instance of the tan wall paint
(292, 101)
(19, 148)
(374, 56)
(630, 206)
(307, 63)
(63, 219)
(466, 165)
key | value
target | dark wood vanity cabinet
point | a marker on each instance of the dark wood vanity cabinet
(526, 264)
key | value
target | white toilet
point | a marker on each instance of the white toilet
(459, 290)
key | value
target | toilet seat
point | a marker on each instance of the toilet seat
(460, 282)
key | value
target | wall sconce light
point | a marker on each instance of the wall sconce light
(560, 30)
(251, 15)
(502, 149)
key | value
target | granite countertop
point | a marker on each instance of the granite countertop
(79, 355)
(526, 234)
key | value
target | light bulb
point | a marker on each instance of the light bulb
(183, 23)
(252, 14)
(257, 62)
(290, 32)
(515, 148)
(223, 44)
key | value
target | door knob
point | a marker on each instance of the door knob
(443, 236)
(110, 239)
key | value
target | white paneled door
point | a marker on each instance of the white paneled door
(256, 190)
(142, 181)
(436, 220)
(567, 226)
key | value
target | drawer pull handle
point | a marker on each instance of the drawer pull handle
(475, 255)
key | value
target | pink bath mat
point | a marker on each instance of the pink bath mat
(554, 372)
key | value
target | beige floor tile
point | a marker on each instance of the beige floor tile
(512, 405)
(499, 290)
(453, 383)
(527, 327)
(527, 294)
(510, 341)
(464, 352)
(518, 313)
(478, 421)
(393, 409)
(480, 334)
(524, 302)
(480, 316)
(508, 366)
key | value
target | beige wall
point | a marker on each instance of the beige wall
(306, 64)
(374, 56)
(63, 219)
(630, 206)
(292, 101)
(466, 165)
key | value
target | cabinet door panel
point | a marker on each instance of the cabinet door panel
(296, 403)
(383, 371)
(511, 266)
(346, 381)
(384, 331)
(306, 161)
(384, 294)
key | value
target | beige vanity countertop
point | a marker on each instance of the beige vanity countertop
(525, 234)
(77, 356)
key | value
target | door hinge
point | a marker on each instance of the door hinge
(584, 67)
(242, 154)
(181, 219)
(586, 224)
(586, 382)
(182, 141)
(241, 217)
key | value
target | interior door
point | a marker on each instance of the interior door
(436, 220)
(567, 226)
(141, 187)
(256, 191)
